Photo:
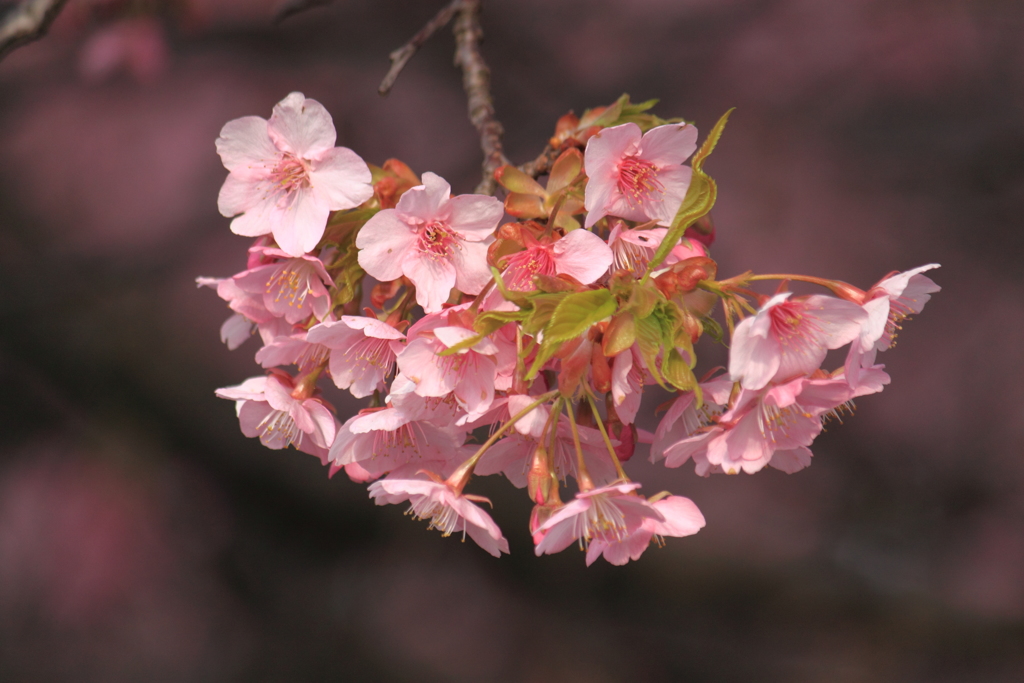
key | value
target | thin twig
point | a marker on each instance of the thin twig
(542, 164)
(27, 22)
(401, 56)
(476, 80)
(293, 7)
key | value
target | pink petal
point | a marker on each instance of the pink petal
(791, 460)
(300, 226)
(470, 263)
(682, 517)
(257, 220)
(663, 207)
(606, 149)
(245, 148)
(433, 277)
(383, 243)
(341, 179)
(669, 144)
(302, 127)
(428, 201)
(475, 216)
(583, 255)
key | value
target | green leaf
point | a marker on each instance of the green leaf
(577, 312)
(544, 306)
(491, 321)
(620, 335)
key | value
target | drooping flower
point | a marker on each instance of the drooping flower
(773, 425)
(267, 409)
(616, 522)
(363, 351)
(788, 337)
(680, 517)
(636, 176)
(286, 175)
(290, 288)
(447, 511)
(436, 240)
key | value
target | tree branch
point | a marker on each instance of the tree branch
(27, 22)
(476, 80)
(293, 7)
(401, 56)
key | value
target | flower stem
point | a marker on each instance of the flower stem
(607, 441)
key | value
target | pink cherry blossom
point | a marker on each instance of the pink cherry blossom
(286, 175)
(385, 440)
(773, 421)
(892, 301)
(632, 249)
(638, 177)
(628, 378)
(446, 510)
(469, 374)
(680, 517)
(616, 522)
(436, 240)
(580, 254)
(267, 409)
(791, 336)
(292, 288)
(363, 351)
(294, 348)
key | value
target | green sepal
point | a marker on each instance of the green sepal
(678, 372)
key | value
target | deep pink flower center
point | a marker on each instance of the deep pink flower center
(291, 173)
(437, 239)
(787, 320)
(525, 264)
(638, 180)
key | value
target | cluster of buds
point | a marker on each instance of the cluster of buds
(523, 347)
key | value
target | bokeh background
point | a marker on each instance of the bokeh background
(143, 538)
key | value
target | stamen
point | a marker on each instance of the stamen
(638, 180)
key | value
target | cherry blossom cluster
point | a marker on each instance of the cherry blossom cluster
(518, 337)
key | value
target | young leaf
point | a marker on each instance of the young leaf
(577, 312)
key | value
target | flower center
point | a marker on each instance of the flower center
(291, 174)
(437, 240)
(638, 179)
(442, 517)
(524, 265)
(278, 430)
(290, 282)
(603, 520)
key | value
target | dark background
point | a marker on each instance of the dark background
(143, 538)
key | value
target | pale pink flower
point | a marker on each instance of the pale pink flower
(294, 348)
(632, 249)
(446, 510)
(292, 288)
(363, 351)
(680, 517)
(436, 240)
(266, 409)
(636, 176)
(892, 301)
(286, 175)
(763, 424)
(788, 337)
(616, 519)
(511, 455)
(385, 440)
(469, 374)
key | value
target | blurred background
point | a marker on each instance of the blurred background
(143, 538)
